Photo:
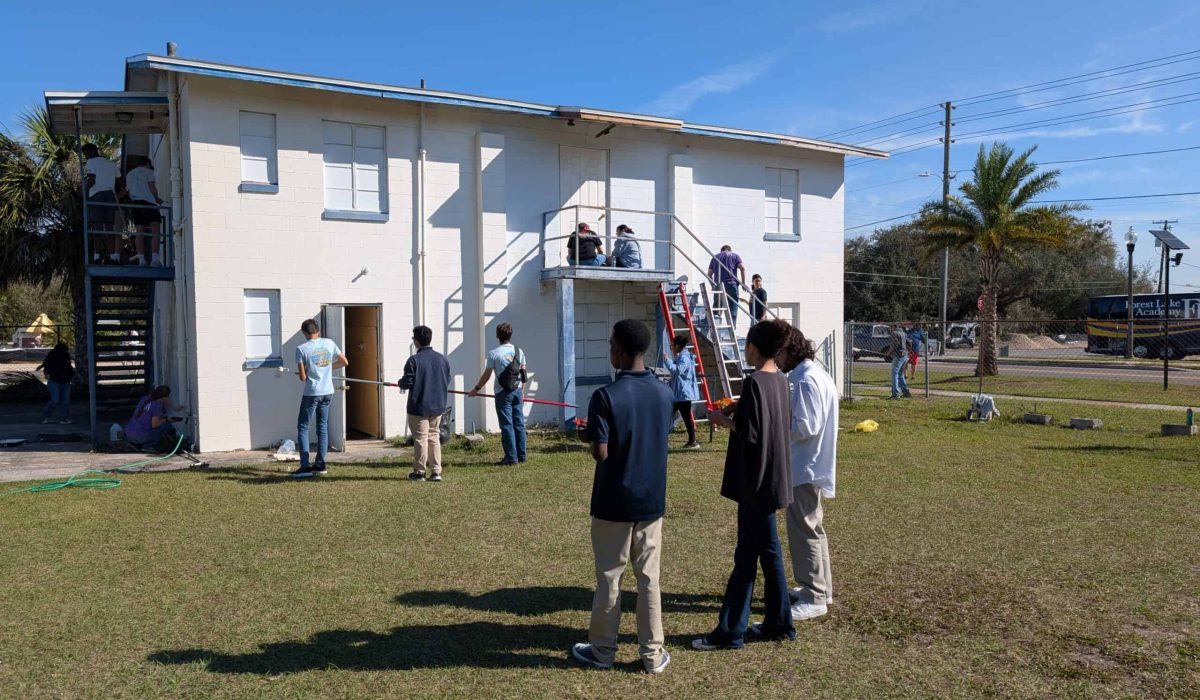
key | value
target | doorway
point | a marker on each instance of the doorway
(357, 410)
(583, 179)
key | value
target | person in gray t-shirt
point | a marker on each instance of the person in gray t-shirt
(897, 353)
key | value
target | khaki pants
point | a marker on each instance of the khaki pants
(809, 546)
(613, 544)
(427, 445)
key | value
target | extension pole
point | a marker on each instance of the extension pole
(454, 391)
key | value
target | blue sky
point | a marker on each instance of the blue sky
(797, 67)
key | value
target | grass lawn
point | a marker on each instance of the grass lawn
(969, 559)
(1091, 389)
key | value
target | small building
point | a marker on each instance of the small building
(374, 208)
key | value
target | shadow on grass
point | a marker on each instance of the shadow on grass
(545, 600)
(1093, 448)
(474, 644)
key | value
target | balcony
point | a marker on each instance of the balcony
(653, 241)
(128, 241)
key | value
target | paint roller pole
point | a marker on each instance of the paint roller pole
(453, 391)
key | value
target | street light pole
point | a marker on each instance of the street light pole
(945, 210)
(1130, 242)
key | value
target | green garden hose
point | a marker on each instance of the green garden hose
(78, 480)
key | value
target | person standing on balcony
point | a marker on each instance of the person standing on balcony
(585, 248)
(758, 299)
(315, 361)
(507, 362)
(683, 385)
(101, 186)
(143, 193)
(626, 252)
(723, 271)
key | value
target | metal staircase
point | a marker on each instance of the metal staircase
(122, 333)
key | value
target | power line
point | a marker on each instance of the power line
(882, 221)
(883, 184)
(1119, 155)
(881, 274)
(891, 284)
(1026, 89)
(918, 112)
(1102, 199)
(1058, 102)
(1083, 116)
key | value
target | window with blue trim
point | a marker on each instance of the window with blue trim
(261, 309)
(260, 165)
(355, 161)
(780, 196)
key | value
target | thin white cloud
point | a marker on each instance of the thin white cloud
(868, 17)
(681, 98)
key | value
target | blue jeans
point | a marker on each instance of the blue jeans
(731, 298)
(309, 405)
(899, 383)
(597, 261)
(60, 399)
(757, 544)
(512, 424)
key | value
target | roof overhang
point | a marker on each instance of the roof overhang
(107, 112)
(150, 62)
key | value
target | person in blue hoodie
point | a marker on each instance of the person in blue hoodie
(682, 365)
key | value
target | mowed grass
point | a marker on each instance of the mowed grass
(1086, 388)
(969, 560)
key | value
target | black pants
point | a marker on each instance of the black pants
(685, 410)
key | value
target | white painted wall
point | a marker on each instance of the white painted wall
(490, 172)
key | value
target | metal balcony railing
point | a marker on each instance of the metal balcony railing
(119, 235)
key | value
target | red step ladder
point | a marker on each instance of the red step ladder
(664, 300)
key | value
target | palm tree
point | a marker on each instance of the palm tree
(996, 216)
(41, 216)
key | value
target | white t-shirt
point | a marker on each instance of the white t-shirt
(106, 174)
(137, 181)
(814, 427)
(501, 357)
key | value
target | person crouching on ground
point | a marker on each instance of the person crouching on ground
(628, 422)
(758, 477)
(683, 385)
(427, 381)
(814, 464)
(149, 425)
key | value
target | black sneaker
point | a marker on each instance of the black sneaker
(434, 477)
(302, 474)
(693, 445)
(322, 471)
(505, 463)
(416, 476)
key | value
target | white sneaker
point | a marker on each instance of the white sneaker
(662, 665)
(809, 611)
(114, 257)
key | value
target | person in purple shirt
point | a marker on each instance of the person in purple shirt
(149, 423)
(723, 271)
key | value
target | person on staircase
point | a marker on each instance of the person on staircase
(585, 248)
(682, 366)
(724, 270)
(143, 194)
(626, 252)
(101, 183)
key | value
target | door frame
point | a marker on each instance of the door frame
(562, 199)
(338, 442)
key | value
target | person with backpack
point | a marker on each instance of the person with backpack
(427, 380)
(507, 362)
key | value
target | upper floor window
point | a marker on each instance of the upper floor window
(780, 196)
(259, 159)
(355, 168)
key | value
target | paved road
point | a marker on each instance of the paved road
(1151, 374)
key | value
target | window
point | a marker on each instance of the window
(259, 160)
(355, 168)
(262, 328)
(780, 196)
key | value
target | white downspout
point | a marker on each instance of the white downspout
(178, 229)
(419, 287)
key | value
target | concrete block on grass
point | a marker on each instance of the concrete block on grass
(1086, 423)
(473, 440)
(1170, 429)
(1039, 418)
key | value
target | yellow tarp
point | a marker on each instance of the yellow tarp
(41, 325)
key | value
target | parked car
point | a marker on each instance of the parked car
(872, 341)
(961, 335)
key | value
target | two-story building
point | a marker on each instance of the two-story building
(374, 208)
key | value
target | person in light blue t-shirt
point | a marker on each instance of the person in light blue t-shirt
(315, 361)
(509, 399)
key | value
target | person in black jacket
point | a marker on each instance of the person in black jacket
(427, 380)
(758, 476)
(59, 374)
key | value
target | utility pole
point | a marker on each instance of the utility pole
(945, 210)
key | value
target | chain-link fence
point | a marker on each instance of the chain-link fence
(1030, 360)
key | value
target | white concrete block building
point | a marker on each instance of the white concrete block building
(374, 208)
